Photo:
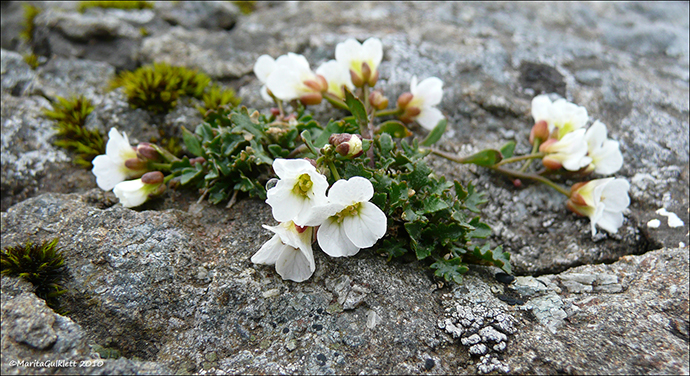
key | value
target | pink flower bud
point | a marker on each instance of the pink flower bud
(323, 82)
(356, 79)
(539, 130)
(377, 100)
(135, 164)
(153, 177)
(366, 72)
(311, 99)
(404, 99)
(374, 78)
(545, 146)
(147, 152)
(196, 160)
(551, 164)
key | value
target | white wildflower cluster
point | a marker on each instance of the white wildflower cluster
(344, 220)
(120, 162)
(560, 127)
(356, 65)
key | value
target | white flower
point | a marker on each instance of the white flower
(603, 201)
(298, 191)
(289, 250)
(362, 60)
(352, 221)
(110, 168)
(293, 79)
(425, 96)
(569, 152)
(337, 76)
(606, 155)
(561, 114)
(133, 193)
(264, 66)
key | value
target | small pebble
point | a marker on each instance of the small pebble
(322, 359)
(317, 327)
(429, 364)
(286, 330)
(504, 278)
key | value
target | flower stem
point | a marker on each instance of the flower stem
(335, 101)
(334, 171)
(524, 175)
(393, 111)
(521, 158)
(535, 148)
(159, 166)
(168, 178)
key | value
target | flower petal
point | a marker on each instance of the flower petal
(294, 265)
(615, 195)
(284, 204)
(348, 52)
(372, 52)
(541, 105)
(269, 252)
(108, 172)
(351, 191)
(431, 90)
(264, 94)
(118, 147)
(131, 193)
(608, 159)
(429, 117)
(610, 221)
(264, 66)
(596, 136)
(366, 228)
(284, 84)
(333, 240)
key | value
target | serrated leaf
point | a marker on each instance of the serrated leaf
(379, 200)
(508, 149)
(481, 229)
(306, 137)
(473, 198)
(486, 158)
(188, 174)
(436, 133)
(393, 248)
(433, 204)
(386, 144)
(244, 121)
(205, 131)
(450, 270)
(394, 128)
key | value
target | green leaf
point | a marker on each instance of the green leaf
(190, 173)
(379, 200)
(481, 229)
(306, 137)
(433, 204)
(486, 256)
(192, 142)
(277, 151)
(243, 121)
(508, 149)
(394, 128)
(394, 248)
(486, 158)
(436, 133)
(450, 270)
(470, 197)
(385, 144)
(357, 108)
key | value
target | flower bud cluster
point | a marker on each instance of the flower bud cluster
(344, 220)
(347, 145)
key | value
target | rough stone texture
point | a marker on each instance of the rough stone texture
(171, 282)
(33, 332)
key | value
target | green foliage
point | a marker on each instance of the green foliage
(217, 97)
(158, 87)
(246, 7)
(70, 119)
(41, 264)
(29, 24)
(428, 217)
(32, 60)
(424, 216)
(84, 5)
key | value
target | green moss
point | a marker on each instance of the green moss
(32, 60)
(30, 13)
(157, 87)
(72, 134)
(41, 264)
(84, 5)
(217, 97)
(246, 7)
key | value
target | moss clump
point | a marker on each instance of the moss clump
(246, 7)
(157, 87)
(217, 97)
(41, 264)
(29, 24)
(84, 5)
(72, 134)
(32, 60)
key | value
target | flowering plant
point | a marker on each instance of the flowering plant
(361, 181)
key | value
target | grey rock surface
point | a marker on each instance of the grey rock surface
(171, 282)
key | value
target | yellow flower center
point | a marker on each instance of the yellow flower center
(349, 211)
(303, 185)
